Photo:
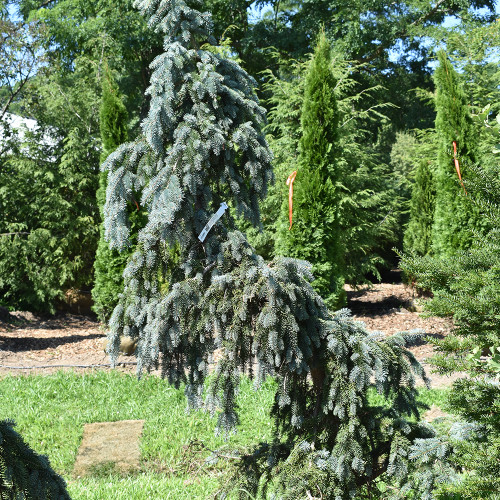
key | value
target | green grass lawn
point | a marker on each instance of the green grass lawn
(50, 412)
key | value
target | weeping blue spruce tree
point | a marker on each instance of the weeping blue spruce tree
(189, 292)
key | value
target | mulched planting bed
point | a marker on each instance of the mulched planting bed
(29, 341)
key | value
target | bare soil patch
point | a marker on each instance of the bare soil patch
(386, 308)
(109, 447)
(30, 341)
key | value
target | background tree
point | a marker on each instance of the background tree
(315, 235)
(20, 57)
(418, 233)
(109, 264)
(370, 206)
(184, 296)
(386, 38)
(63, 96)
(47, 225)
(454, 214)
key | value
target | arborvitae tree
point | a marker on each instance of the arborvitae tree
(466, 287)
(109, 264)
(418, 233)
(48, 224)
(454, 214)
(315, 235)
(113, 115)
(189, 292)
(24, 475)
(368, 212)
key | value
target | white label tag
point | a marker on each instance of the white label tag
(215, 217)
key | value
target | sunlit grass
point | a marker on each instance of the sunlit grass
(50, 412)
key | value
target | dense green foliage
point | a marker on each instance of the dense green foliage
(54, 53)
(24, 475)
(315, 235)
(354, 119)
(113, 116)
(370, 204)
(109, 264)
(48, 226)
(48, 187)
(466, 287)
(418, 234)
(454, 215)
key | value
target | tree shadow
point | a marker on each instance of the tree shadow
(22, 344)
(378, 308)
(59, 321)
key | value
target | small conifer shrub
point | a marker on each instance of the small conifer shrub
(24, 475)
(466, 287)
(194, 285)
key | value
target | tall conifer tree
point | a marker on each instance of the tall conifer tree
(454, 214)
(315, 235)
(109, 264)
(194, 284)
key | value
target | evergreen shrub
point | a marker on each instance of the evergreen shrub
(188, 296)
(466, 287)
(24, 475)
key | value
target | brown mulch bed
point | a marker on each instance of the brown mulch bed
(386, 308)
(29, 341)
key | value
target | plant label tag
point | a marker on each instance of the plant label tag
(215, 217)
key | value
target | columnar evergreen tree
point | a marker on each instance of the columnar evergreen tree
(24, 475)
(189, 292)
(454, 215)
(109, 264)
(418, 233)
(370, 205)
(315, 235)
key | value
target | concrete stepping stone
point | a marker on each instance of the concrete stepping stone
(110, 447)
